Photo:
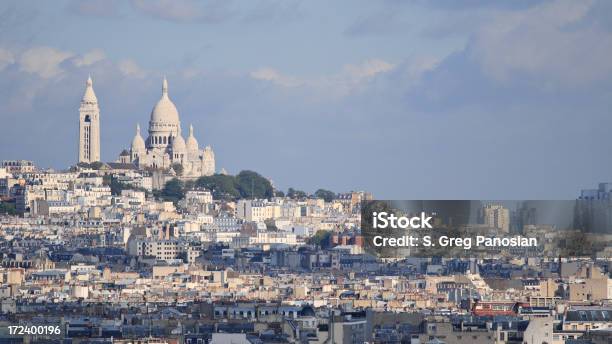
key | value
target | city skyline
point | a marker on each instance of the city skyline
(329, 99)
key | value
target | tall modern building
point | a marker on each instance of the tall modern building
(496, 216)
(89, 126)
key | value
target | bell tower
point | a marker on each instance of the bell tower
(89, 126)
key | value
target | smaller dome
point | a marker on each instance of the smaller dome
(192, 143)
(138, 144)
(208, 153)
(178, 144)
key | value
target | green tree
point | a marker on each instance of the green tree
(189, 185)
(116, 186)
(7, 208)
(178, 168)
(222, 186)
(321, 238)
(173, 191)
(252, 185)
(327, 195)
(296, 194)
(270, 225)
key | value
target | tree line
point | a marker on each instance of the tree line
(245, 185)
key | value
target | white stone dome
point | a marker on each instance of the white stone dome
(178, 144)
(165, 111)
(192, 143)
(138, 144)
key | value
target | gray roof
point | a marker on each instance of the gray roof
(589, 314)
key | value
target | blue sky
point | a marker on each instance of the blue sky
(408, 99)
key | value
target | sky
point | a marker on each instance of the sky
(410, 99)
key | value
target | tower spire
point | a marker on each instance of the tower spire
(165, 86)
(89, 96)
(191, 130)
(137, 128)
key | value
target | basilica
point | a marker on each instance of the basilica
(164, 147)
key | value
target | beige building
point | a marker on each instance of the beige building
(17, 167)
(496, 216)
(591, 289)
(257, 210)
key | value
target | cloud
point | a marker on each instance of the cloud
(367, 69)
(272, 75)
(6, 58)
(38, 67)
(44, 61)
(48, 62)
(337, 84)
(130, 68)
(352, 78)
(90, 58)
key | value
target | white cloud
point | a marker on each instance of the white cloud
(131, 68)
(89, 58)
(6, 58)
(44, 61)
(341, 83)
(270, 74)
(351, 78)
(367, 69)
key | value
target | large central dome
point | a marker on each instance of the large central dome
(164, 111)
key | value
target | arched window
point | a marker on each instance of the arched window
(165, 140)
(87, 118)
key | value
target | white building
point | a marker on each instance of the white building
(257, 210)
(165, 145)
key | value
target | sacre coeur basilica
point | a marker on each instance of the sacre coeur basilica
(164, 147)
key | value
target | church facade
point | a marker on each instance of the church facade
(164, 146)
